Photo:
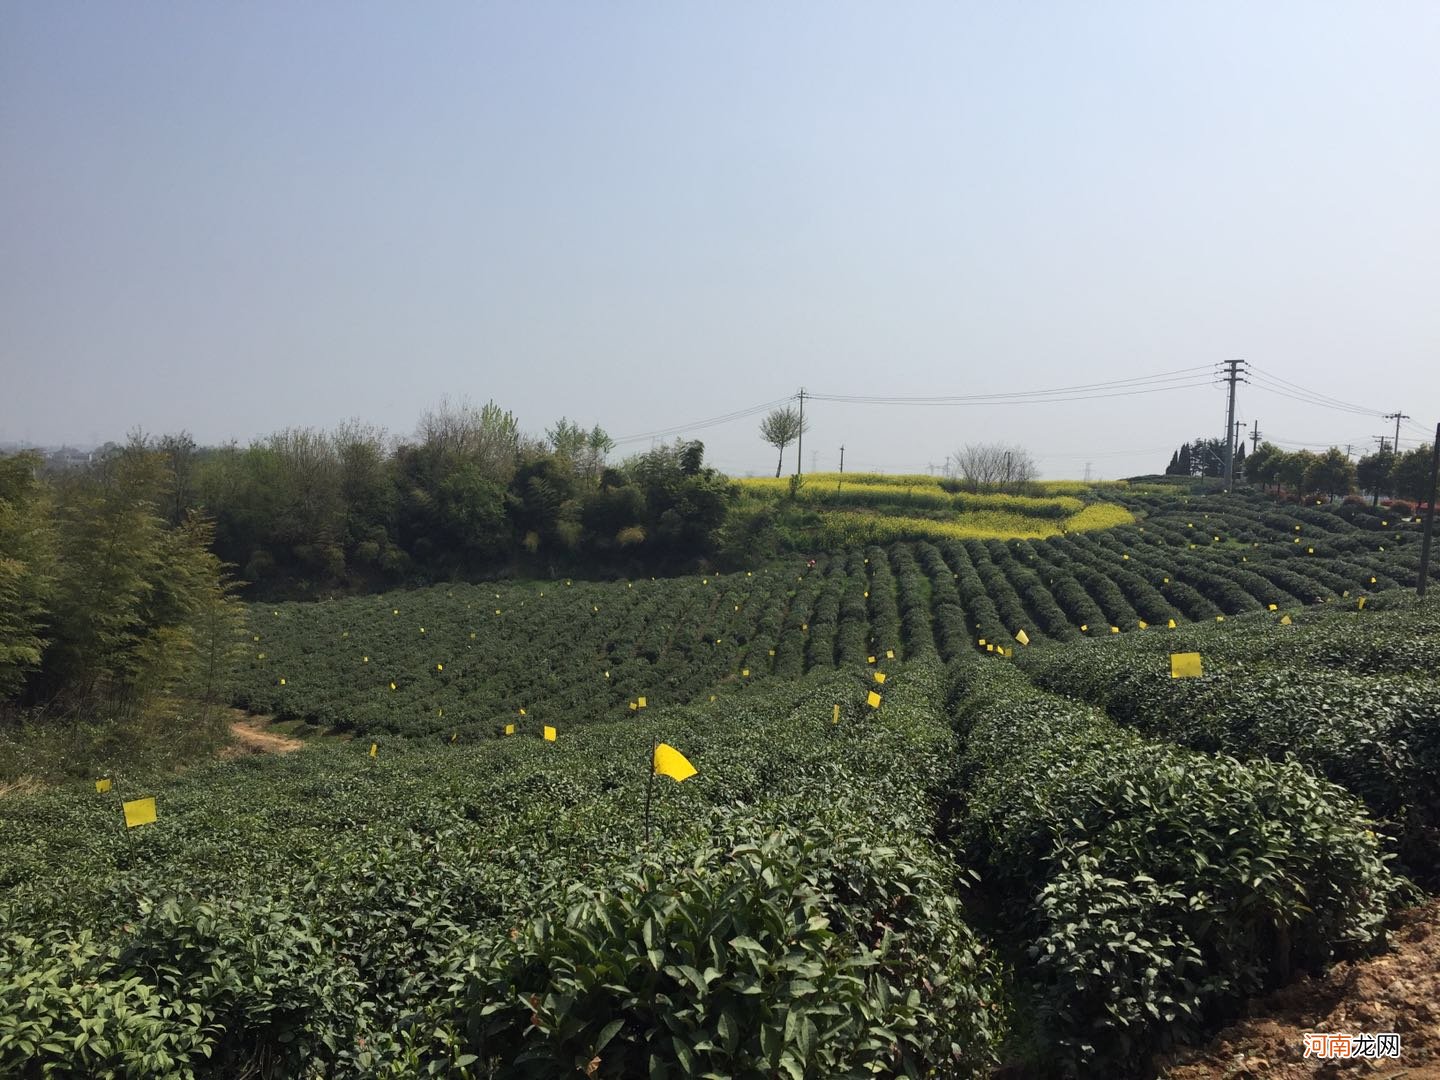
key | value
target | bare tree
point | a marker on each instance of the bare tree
(780, 428)
(994, 465)
(488, 437)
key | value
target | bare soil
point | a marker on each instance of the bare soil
(252, 736)
(1398, 991)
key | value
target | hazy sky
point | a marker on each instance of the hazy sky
(237, 217)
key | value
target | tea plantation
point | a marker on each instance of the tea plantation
(914, 846)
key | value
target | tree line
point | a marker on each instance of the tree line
(1383, 474)
(117, 576)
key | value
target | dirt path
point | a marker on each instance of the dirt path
(1397, 992)
(252, 737)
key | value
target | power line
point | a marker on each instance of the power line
(1186, 377)
(680, 429)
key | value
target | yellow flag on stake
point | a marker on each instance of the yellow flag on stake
(139, 812)
(872, 699)
(1022, 637)
(1185, 665)
(549, 733)
(670, 762)
(102, 786)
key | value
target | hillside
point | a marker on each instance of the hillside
(907, 850)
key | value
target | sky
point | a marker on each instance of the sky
(236, 218)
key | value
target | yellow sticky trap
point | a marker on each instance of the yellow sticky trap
(607, 674)
(835, 717)
(1114, 629)
(1124, 556)
(872, 699)
(374, 749)
(1361, 605)
(1346, 594)
(1022, 637)
(1084, 628)
(1171, 624)
(1284, 620)
(1144, 625)
(640, 702)
(889, 654)
(982, 641)
(632, 705)
(454, 735)
(1219, 618)
(509, 729)
(1372, 581)
(772, 652)
(522, 711)
(672, 763)
(139, 812)
(549, 732)
(712, 697)
(869, 659)
(1310, 551)
(439, 667)
(1274, 607)
(989, 648)
(1165, 581)
(282, 682)
(365, 659)
(392, 686)
(745, 673)
(422, 629)
(879, 676)
(804, 627)
(1185, 665)
(867, 594)
(396, 611)
(103, 786)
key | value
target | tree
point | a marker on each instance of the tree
(1207, 457)
(26, 572)
(983, 465)
(1174, 466)
(1293, 468)
(1332, 473)
(1411, 474)
(1263, 465)
(1372, 472)
(780, 428)
(1185, 464)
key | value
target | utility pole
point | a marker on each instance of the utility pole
(800, 439)
(1087, 471)
(1429, 514)
(1234, 370)
(1255, 438)
(1397, 417)
(841, 478)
